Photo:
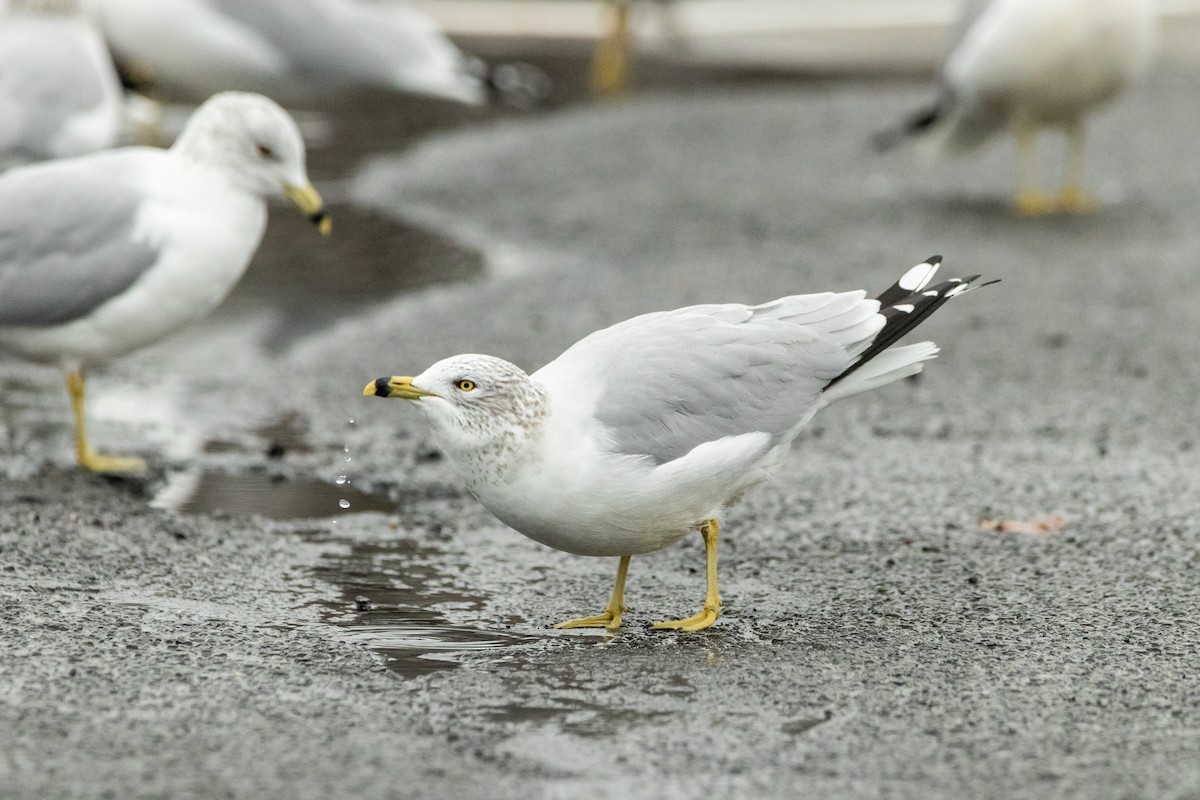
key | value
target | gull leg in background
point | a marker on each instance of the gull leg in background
(1072, 197)
(610, 61)
(712, 601)
(87, 457)
(1030, 199)
(611, 616)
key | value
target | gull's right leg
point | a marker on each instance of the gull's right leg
(1030, 201)
(610, 618)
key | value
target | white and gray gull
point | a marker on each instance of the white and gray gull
(1026, 65)
(59, 92)
(109, 252)
(649, 429)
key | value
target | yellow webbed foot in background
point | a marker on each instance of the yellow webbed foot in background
(112, 465)
(1035, 204)
(1074, 200)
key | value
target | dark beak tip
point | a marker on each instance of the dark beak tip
(382, 389)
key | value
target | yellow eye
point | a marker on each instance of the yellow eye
(465, 385)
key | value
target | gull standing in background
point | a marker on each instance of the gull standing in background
(1025, 65)
(649, 429)
(59, 93)
(289, 49)
(106, 253)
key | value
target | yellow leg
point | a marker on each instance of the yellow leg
(1030, 200)
(87, 457)
(611, 616)
(1072, 198)
(610, 61)
(712, 601)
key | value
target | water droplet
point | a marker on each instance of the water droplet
(344, 503)
(352, 420)
(341, 479)
(346, 449)
(348, 458)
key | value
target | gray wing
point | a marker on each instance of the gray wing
(67, 240)
(44, 79)
(675, 380)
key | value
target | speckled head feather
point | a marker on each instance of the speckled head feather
(483, 411)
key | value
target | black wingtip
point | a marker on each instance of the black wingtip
(916, 123)
(901, 315)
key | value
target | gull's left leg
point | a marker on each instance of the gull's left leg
(87, 457)
(610, 61)
(611, 616)
(712, 601)
(1072, 197)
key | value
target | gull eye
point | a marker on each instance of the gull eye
(264, 150)
(465, 385)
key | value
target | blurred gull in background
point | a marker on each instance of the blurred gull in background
(59, 92)
(1024, 65)
(109, 252)
(289, 49)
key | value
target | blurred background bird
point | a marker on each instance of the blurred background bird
(106, 253)
(292, 50)
(59, 93)
(1027, 65)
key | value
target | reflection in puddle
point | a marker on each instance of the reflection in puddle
(413, 650)
(392, 597)
(264, 495)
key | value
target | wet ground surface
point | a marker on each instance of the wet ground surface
(225, 628)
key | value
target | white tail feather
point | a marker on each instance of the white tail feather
(889, 366)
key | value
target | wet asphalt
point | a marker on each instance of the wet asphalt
(226, 628)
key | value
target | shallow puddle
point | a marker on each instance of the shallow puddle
(393, 596)
(265, 496)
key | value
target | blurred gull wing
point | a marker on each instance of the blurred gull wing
(67, 239)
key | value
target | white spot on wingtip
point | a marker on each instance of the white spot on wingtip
(962, 287)
(917, 277)
(907, 308)
(931, 293)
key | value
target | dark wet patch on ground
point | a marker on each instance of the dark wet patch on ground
(578, 717)
(393, 596)
(271, 496)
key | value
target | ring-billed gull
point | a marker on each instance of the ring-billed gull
(286, 48)
(644, 431)
(59, 92)
(1025, 65)
(105, 253)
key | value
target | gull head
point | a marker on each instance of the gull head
(258, 147)
(476, 404)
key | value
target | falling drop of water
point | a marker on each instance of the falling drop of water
(344, 503)
(342, 479)
(352, 420)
